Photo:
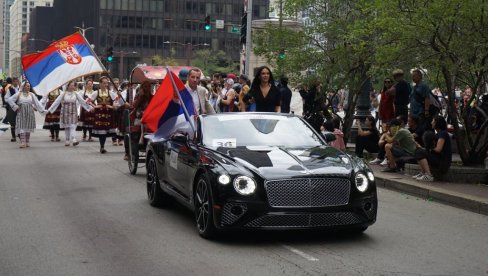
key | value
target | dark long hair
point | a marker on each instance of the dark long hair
(256, 82)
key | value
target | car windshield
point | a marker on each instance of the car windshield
(247, 129)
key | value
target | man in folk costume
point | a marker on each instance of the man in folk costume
(69, 101)
(51, 121)
(11, 89)
(87, 119)
(103, 126)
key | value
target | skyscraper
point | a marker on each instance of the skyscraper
(140, 29)
(5, 34)
(19, 31)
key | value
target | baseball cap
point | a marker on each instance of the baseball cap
(183, 75)
(229, 81)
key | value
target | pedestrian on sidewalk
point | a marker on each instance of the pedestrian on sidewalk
(400, 145)
(103, 126)
(386, 110)
(51, 121)
(24, 104)
(381, 160)
(401, 91)
(368, 137)
(69, 101)
(438, 158)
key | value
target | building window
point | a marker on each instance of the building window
(125, 5)
(32, 3)
(24, 3)
(117, 5)
(103, 4)
(219, 9)
(48, 4)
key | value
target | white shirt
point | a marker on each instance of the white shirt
(194, 96)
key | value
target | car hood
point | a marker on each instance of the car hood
(279, 162)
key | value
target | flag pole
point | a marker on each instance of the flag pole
(181, 100)
(101, 64)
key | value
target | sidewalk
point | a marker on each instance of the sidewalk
(471, 197)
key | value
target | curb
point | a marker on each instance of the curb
(452, 199)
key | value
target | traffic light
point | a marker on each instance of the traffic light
(110, 54)
(282, 54)
(207, 26)
(243, 28)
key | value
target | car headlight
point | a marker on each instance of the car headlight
(244, 185)
(362, 182)
(370, 176)
(224, 179)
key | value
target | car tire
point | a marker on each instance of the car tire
(155, 195)
(204, 208)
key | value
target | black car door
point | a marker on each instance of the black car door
(180, 158)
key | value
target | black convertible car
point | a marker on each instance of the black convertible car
(260, 171)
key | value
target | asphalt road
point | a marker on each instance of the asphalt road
(73, 211)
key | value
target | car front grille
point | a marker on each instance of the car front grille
(308, 192)
(306, 220)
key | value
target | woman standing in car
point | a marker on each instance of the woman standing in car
(263, 91)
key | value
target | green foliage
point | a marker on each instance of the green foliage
(157, 60)
(347, 42)
(214, 61)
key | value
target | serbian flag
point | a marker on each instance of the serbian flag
(63, 60)
(171, 109)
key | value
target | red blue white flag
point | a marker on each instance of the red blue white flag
(171, 109)
(66, 59)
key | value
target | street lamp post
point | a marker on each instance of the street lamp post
(189, 49)
(121, 61)
(35, 48)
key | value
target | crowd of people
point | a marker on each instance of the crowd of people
(406, 127)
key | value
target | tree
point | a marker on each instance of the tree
(157, 60)
(334, 44)
(346, 42)
(450, 39)
(214, 61)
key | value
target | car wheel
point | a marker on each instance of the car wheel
(204, 209)
(156, 196)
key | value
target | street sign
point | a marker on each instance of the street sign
(219, 24)
(235, 29)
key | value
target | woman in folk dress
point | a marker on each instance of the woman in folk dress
(104, 125)
(25, 103)
(51, 120)
(69, 101)
(87, 118)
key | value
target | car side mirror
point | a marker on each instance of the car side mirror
(180, 138)
(329, 137)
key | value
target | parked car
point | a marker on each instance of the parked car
(260, 171)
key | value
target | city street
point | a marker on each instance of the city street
(73, 211)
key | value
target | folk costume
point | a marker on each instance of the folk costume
(69, 101)
(25, 122)
(51, 120)
(103, 126)
(87, 119)
(11, 116)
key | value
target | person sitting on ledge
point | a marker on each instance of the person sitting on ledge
(400, 146)
(368, 137)
(438, 157)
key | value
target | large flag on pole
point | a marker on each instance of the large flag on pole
(66, 59)
(170, 109)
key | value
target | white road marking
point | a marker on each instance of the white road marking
(301, 253)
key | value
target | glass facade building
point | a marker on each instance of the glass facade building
(167, 28)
